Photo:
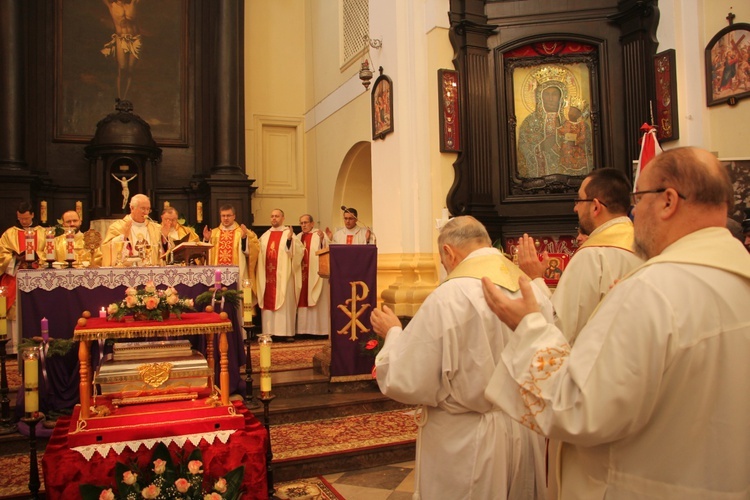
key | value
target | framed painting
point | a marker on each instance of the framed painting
(382, 106)
(127, 49)
(668, 126)
(727, 67)
(450, 116)
(553, 107)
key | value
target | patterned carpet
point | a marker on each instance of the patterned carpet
(344, 434)
(15, 477)
(318, 487)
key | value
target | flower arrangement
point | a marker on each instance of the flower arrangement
(149, 303)
(166, 480)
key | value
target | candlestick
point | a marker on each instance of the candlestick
(79, 209)
(264, 346)
(250, 400)
(30, 239)
(247, 307)
(31, 379)
(266, 400)
(199, 212)
(45, 329)
(3, 313)
(166, 204)
(34, 482)
(102, 313)
(43, 212)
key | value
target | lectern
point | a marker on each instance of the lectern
(193, 253)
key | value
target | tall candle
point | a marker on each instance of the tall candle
(45, 329)
(265, 355)
(31, 380)
(217, 278)
(199, 211)
(43, 212)
(79, 209)
(265, 382)
(247, 308)
(264, 346)
(3, 316)
(30, 238)
(69, 245)
(49, 244)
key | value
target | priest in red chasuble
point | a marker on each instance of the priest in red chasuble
(314, 303)
(280, 257)
(233, 245)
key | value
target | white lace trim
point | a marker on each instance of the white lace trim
(111, 277)
(103, 449)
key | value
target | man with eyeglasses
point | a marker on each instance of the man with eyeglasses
(607, 255)
(651, 400)
(351, 233)
(314, 303)
(138, 233)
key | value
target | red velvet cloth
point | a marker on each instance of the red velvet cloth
(188, 319)
(65, 470)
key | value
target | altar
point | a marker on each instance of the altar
(62, 295)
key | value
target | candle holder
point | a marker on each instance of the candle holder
(266, 399)
(6, 427)
(250, 400)
(32, 419)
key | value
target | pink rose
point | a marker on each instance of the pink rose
(194, 466)
(170, 291)
(189, 303)
(112, 309)
(151, 303)
(151, 491)
(221, 485)
(130, 291)
(159, 466)
(131, 301)
(172, 299)
(107, 495)
(150, 287)
(129, 478)
(182, 485)
(212, 496)
(374, 371)
(371, 345)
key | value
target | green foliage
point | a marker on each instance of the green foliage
(232, 296)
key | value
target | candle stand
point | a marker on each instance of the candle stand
(250, 400)
(32, 419)
(266, 398)
(6, 427)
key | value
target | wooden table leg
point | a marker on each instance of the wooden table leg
(84, 356)
(210, 359)
(224, 374)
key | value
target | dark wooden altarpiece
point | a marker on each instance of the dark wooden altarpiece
(187, 83)
(592, 55)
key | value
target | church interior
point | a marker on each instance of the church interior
(409, 111)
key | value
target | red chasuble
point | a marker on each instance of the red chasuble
(225, 248)
(272, 258)
(306, 240)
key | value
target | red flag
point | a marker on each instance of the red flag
(649, 149)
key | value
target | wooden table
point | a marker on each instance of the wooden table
(191, 324)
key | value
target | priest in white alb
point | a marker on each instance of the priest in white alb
(134, 235)
(314, 304)
(280, 256)
(352, 233)
(443, 361)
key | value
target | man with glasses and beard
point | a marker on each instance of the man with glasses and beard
(652, 400)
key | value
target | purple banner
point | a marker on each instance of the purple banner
(354, 270)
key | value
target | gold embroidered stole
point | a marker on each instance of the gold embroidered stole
(617, 235)
(225, 247)
(496, 267)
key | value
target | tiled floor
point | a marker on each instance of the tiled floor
(388, 482)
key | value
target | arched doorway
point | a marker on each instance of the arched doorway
(354, 184)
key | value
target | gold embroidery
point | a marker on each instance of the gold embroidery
(155, 374)
(352, 311)
(544, 364)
